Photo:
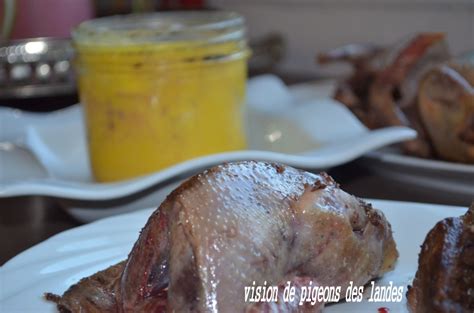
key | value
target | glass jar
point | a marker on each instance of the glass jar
(160, 88)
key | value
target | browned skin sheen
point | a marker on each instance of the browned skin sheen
(235, 224)
(444, 282)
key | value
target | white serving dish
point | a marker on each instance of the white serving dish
(454, 180)
(59, 262)
(46, 154)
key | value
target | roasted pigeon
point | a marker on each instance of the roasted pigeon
(444, 282)
(234, 225)
(446, 105)
(382, 90)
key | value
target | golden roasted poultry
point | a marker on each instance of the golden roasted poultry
(236, 224)
(411, 84)
(446, 104)
(382, 90)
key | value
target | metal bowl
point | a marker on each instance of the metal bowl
(36, 67)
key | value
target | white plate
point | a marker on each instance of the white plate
(454, 180)
(46, 154)
(55, 264)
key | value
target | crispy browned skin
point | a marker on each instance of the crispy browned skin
(446, 105)
(92, 294)
(238, 223)
(444, 282)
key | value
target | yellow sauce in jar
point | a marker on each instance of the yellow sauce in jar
(150, 104)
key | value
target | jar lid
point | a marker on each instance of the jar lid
(178, 26)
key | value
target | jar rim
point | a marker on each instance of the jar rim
(174, 26)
